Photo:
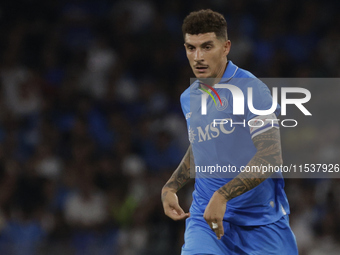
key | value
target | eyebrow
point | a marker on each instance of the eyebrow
(202, 45)
(206, 43)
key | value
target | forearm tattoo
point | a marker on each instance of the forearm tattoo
(182, 174)
(268, 153)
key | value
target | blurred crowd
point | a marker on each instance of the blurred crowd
(91, 125)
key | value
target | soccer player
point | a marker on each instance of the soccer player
(242, 214)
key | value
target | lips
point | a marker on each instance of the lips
(201, 69)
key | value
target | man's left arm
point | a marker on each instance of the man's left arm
(268, 147)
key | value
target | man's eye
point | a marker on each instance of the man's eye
(190, 48)
(208, 47)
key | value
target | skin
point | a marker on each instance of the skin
(179, 178)
(209, 51)
(206, 50)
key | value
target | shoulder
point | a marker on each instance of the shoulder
(246, 79)
(185, 101)
(242, 73)
(185, 95)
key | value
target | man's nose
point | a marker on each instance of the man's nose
(198, 55)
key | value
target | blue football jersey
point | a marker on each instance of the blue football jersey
(226, 145)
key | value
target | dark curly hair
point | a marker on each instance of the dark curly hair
(205, 21)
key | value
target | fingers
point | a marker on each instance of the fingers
(172, 208)
(217, 227)
(219, 231)
(176, 213)
(179, 215)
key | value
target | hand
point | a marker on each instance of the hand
(214, 213)
(171, 206)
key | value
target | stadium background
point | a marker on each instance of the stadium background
(91, 125)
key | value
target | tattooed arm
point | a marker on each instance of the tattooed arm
(179, 178)
(182, 174)
(268, 153)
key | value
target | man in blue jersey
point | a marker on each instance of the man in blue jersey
(238, 212)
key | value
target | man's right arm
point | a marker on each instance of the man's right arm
(179, 178)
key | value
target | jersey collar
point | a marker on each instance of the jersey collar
(230, 71)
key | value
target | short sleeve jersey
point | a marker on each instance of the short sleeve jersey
(217, 143)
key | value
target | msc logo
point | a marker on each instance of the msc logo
(210, 131)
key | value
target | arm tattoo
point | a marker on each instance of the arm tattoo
(182, 174)
(268, 153)
(164, 195)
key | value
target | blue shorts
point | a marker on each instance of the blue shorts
(275, 238)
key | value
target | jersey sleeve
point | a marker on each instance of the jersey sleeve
(261, 124)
